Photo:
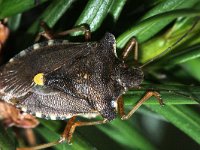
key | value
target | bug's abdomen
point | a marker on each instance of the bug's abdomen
(55, 106)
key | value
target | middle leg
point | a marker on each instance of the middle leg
(70, 128)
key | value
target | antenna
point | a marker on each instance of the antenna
(169, 48)
(179, 92)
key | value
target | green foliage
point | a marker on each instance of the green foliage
(161, 24)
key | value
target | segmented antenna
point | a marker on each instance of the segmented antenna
(169, 48)
(173, 91)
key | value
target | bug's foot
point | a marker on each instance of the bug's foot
(160, 100)
(62, 139)
(162, 105)
(158, 96)
(66, 139)
(125, 117)
(69, 141)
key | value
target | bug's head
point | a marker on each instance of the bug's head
(130, 77)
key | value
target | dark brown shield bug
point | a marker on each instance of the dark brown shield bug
(61, 80)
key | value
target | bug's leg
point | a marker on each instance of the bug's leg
(67, 134)
(62, 139)
(42, 146)
(120, 104)
(30, 136)
(132, 45)
(84, 28)
(49, 34)
(70, 128)
(139, 103)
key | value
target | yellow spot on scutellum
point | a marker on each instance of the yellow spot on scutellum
(39, 79)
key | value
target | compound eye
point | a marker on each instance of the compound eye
(39, 79)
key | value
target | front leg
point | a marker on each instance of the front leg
(132, 45)
(148, 94)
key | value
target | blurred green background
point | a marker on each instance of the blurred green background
(157, 24)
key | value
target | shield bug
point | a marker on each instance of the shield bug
(61, 80)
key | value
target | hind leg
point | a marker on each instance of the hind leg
(67, 134)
